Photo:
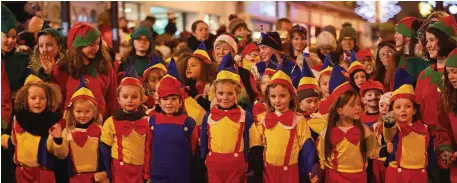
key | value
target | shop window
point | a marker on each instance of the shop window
(132, 13)
(162, 20)
(213, 22)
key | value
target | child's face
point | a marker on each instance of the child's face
(129, 98)
(323, 84)
(252, 57)
(383, 108)
(280, 98)
(404, 110)
(83, 112)
(359, 78)
(371, 98)
(91, 50)
(141, 44)
(194, 68)
(352, 110)
(226, 95)
(310, 104)
(36, 99)
(369, 65)
(170, 104)
(153, 78)
(264, 83)
(243, 32)
(265, 52)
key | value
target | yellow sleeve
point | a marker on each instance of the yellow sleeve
(303, 132)
(107, 136)
(5, 139)
(260, 128)
(255, 138)
(320, 150)
(60, 151)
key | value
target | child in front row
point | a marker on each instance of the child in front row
(80, 139)
(290, 154)
(36, 104)
(345, 144)
(126, 136)
(175, 135)
(413, 151)
(227, 130)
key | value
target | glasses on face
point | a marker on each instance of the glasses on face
(385, 55)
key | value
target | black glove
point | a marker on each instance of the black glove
(191, 88)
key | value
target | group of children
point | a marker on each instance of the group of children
(186, 126)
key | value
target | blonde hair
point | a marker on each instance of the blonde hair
(52, 92)
(70, 118)
(223, 81)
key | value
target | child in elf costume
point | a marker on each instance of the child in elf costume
(80, 139)
(126, 136)
(357, 72)
(324, 78)
(379, 170)
(345, 144)
(36, 118)
(227, 130)
(370, 91)
(413, 151)
(294, 160)
(154, 72)
(250, 57)
(174, 134)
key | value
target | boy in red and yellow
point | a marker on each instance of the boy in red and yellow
(371, 92)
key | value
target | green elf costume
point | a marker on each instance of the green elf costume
(15, 62)
(102, 84)
(412, 64)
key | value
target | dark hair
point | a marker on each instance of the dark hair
(449, 95)
(208, 72)
(232, 16)
(413, 40)
(393, 66)
(417, 116)
(289, 47)
(333, 118)
(293, 104)
(445, 43)
(437, 14)
(351, 77)
(380, 68)
(151, 19)
(281, 20)
(194, 25)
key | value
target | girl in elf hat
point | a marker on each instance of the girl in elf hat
(80, 139)
(154, 72)
(357, 72)
(227, 131)
(345, 144)
(126, 136)
(324, 78)
(370, 92)
(141, 51)
(413, 151)
(379, 170)
(15, 62)
(35, 121)
(87, 57)
(250, 57)
(294, 160)
(175, 135)
(445, 133)
(198, 71)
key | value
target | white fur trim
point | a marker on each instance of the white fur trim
(227, 39)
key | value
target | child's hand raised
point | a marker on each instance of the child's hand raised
(314, 179)
(56, 131)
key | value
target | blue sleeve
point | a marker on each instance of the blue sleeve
(105, 150)
(307, 159)
(432, 159)
(204, 136)
(249, 120)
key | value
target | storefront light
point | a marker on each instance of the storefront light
(425, 8)
(128, 10)
(453, 9)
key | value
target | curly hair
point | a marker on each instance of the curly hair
(35, 63)
(73, 61)
(70, 118)
(208, 72)
(52, 91)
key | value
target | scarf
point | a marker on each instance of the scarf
(37, 123)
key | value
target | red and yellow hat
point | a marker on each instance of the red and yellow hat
(202, 54)
(338, 85)
(326, 68)
(281, 77)
(154, 64)
(170, 84)
(402, 86)
(82, 93)
(369, 85)
(355, 65)
(308, 81)
(32, 79)
(130, 77)
(227, 70)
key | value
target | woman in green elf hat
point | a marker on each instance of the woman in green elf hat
(87, 58)
(15, 63)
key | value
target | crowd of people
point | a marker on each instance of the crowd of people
(223, 108)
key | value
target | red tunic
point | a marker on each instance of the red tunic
(428, 96)
(6, 98)
(446, 137)
(103, 86)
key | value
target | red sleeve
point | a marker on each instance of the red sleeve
(6, 98)
(194, 139)
(60, 78)
(253, 84)
(111, 95)
(444, 136)
(418, 93)
(147, 155)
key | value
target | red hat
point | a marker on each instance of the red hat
(363, 53)
(369, 85)
(169, 86)
(249, 48)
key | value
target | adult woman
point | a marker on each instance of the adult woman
(384, 57)
(347, 43)
(49, 50)
(200, 32)
(325, 44)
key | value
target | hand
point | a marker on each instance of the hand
(446, 158)
(191, 89)
(389, 117)
(314, 179)
(47, 62)
(390, 147)
(101, 177)
(56, 131)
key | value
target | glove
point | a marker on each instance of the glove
(191, 89)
